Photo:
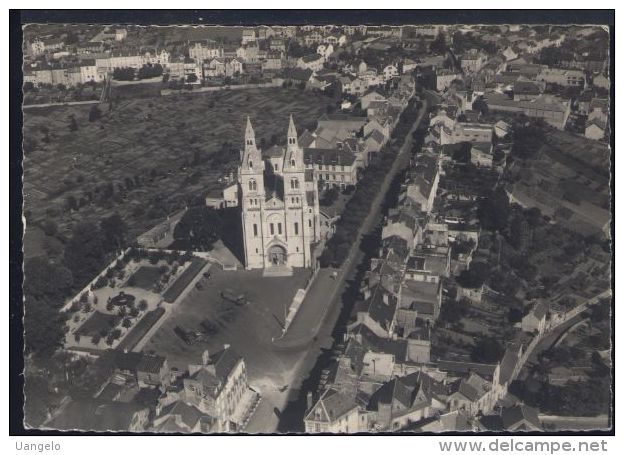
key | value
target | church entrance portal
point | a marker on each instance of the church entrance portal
(277, 255)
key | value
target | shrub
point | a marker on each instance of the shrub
(95, 339)
(126, 323)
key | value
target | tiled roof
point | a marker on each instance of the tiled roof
(516, 414)
(151, 363)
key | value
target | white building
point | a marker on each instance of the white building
(279, 206)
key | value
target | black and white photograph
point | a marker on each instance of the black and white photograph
(323, 227)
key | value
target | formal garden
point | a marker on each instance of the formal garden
(128, 297)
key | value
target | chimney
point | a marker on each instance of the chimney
(226, 347)
(206, 357)
(309, 400)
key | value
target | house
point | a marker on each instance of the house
(272, 62)
(186, 69)
(179, 417)
(564, 77)
(466, 132)
(312, 62)
(502, 129)
(527, 90)
(249, 36)
(277, 44)
(554, 111)
(218, 387)
(365, 100)
(403, 400)
(352, 85)
(422, 182)
(390, 72)
(596, 127)
(333, 412)
(121, 34)
(521, 418)
(472, 61)
(601, 81)
(332, 167)
(444, 78)
(419, 300)
(377, 311)
(325, 50)
(375, 141)
(509, 53)
(145, 369)
(223, 198)
(471, 394)
(203, 50)
(535, 319)
(481, 154)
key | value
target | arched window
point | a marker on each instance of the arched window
(250, 164)
(292, 163)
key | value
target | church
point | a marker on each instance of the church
(279, 205)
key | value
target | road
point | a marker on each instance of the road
(324, 292)
(300, 336)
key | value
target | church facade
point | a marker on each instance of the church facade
(279, 205)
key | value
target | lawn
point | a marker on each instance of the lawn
(145, 277)
(98, 322)
(139, 330)
(174, 291)
(148, 156)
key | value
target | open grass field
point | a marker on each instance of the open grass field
(147, 156)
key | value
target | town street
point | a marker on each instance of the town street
(312, 327)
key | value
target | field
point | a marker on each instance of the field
(568, 180)
(147, 156)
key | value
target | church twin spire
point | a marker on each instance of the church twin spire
(251, 155)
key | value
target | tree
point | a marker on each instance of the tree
(84, 253)
(463, 153)
(46, 280)
(94, 113)
(438, 45)
(148, 71)
(487, 350)
(475, 276)
(123, 74)
(480, 105)
(114, 230)
(493, 210)
(199, 228)
(73, 124)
